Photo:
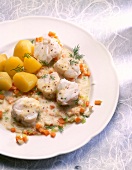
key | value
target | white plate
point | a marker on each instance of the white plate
(104, 76)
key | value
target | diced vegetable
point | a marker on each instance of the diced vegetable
(31, 65)
(21, 139)
(13, 65)
(52, 134)
(1, 114)
(2, 97)
(78, 120)
(61, 121)
(5, 81)
(24, 81)
(3, 59)
(97, 102)
(22, 47)
(13, 130)
(82, 110)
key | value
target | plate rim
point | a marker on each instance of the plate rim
(117, 92)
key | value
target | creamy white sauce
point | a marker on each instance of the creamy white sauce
(48, 115)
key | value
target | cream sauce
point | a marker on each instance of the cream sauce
(50, 111)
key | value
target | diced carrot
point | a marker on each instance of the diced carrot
(40, 130)
(82, 110)
(61, 121)
(2, 97)
(56, 36)
(30, 133)
(1, 114)
(81, 67)
(45, 132)
(78, 120)
(80, 76)
(19, 139)
(87, 73)
(25, 132)
(25, 138)
(38, 126)
(52, 106)
(97, 102)
(51, 34)
(52, 134)
(13, 129)
(87, 103)
(40, 39)
(37, 39)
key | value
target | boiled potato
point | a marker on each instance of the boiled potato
(3, 59)
(5, 81)
(31, 65)
(23, 47)
(13, 65)
(24, 81)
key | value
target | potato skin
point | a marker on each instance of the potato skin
(13, 63)
(25, 81)
(31, 65)
(23, 47)
(5, 81)
(3, 59)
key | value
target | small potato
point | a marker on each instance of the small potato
(3, 59)
(24, 81)
(23, 47)
(5, 81)
(31, 65)
(13, 65)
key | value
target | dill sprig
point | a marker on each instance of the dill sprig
(76, 54)
(73, 62)
(18, 68)
(32, 41)
(50, 127)
(44, 76)
(38, 93)
(44, 63)
(52, 77)
(27, 55)
(76, 101)
(61, 129)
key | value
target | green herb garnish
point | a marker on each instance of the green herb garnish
(44, 76)
(6, 118)
(32, 41)
(53, 78)
(60, 129)
(76, 101)
(49, 127)
(83, 120)
(85, 116)
(44, 63)
(73, 62)
(18, 68)
(27, 55)
(76, 54)
(39, 93)
(66, 119)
